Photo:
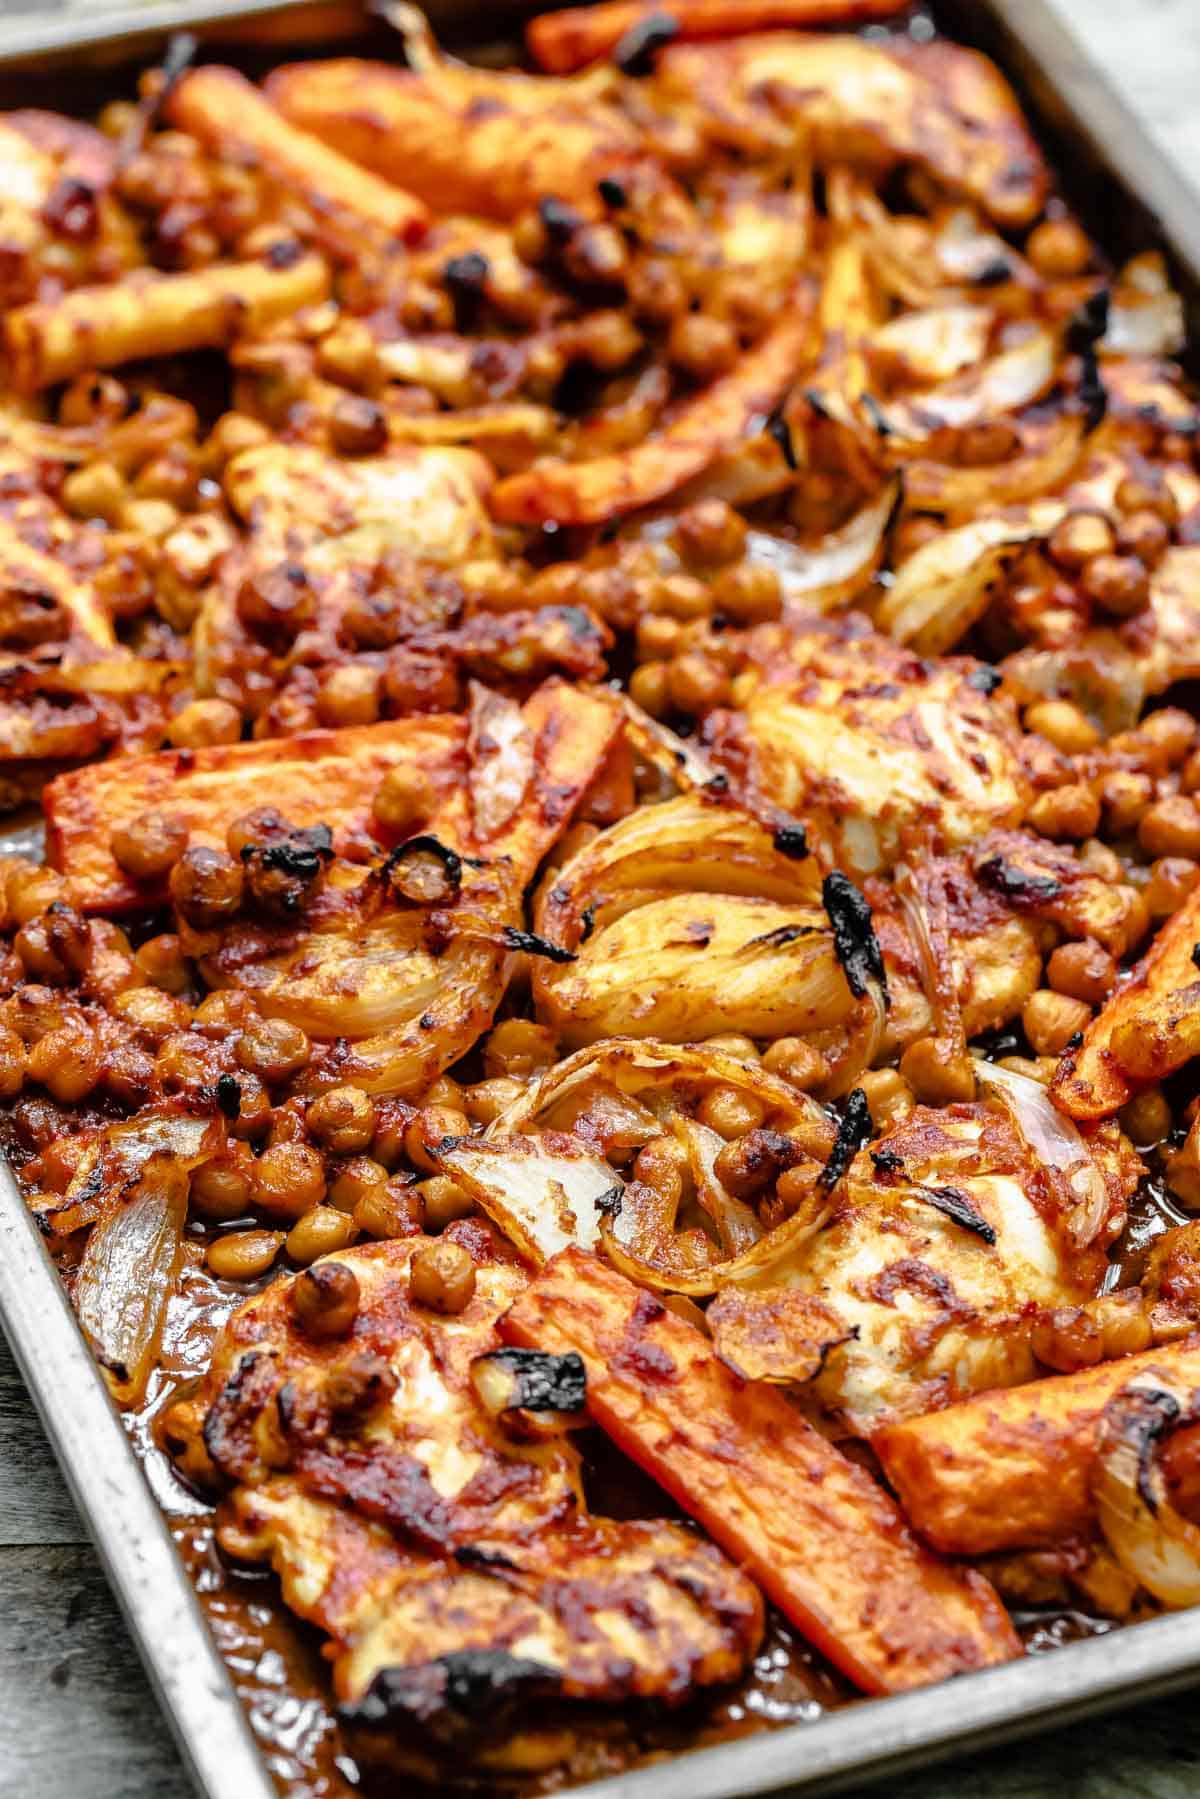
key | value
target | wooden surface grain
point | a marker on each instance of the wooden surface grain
(76, 1718)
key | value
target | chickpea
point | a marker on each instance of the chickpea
(441, 1276)
(519, 1048)
(649, 688)
(484, 1102)
(749, 1164)
(794, 1190)
(128, 1073)
(204, 723)
(1167, 736)
(1124, 797)
(1189, 777)
(352, 1180)
(1122, 1321)
(97, 490)
(682, 597)
(225, 1014)
(348, 356)
(390, 1212)
(220, 1189)
(1067, 813)
(695, 683)
(357, 426)
(797, 1062)
(991, 441)
(403, 799)
(710, 533)
(1171, 827)
(1082, 970)
(749, 593)
(161, 963)
(149, 518)
(1144, 535)
(657, 292)
(37, 955)
(663, 1165)
(153, 1014)
(1172, 879)
(735, 1043)
(273, 1049)
(1147, 493)
(243, 1255)
(1062, 724)
(289, 1179)
(279, 600)
(889, 1096)
(319, 1233)
(1117, 584)
(658, 637)
(431, 1126)
(67, 1063)
(233, 433)
(1066, 1338)
(150, 845)
(1050, 1020)
(342, 1119)
(13, 1063)
(30, 891)
(349, 696)
(442, 1201)
(730, 1113)
(938, 1072)
(1058, 249)
(1076, 539)
(1146, 1119)
(206, 886)
(703, 347)
(326, 1299)
(392, 1119)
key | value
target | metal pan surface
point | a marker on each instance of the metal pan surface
(1134, 198)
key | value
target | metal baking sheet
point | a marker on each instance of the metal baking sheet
(1132, 197)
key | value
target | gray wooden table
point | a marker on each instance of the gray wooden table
(76, 1718)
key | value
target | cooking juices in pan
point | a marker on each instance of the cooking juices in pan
(606, 1046)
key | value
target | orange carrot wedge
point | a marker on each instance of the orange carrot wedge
(824, 1542)
(561, 42)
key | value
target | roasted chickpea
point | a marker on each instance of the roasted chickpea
(319, 1233)
(30, 891)
(710, 533)
(730, 1113)
(349, 696)
(128, 1073)
(1082, 970)
(749, 593)
(1171, 827)
(1124, 796)
(1065, 814)
(1058, 249)
(403, 799)
(153, 1014)
(695, 683)
(484, 1102)
(702, 346)
(431, 1126)
(273, 1049)
(150, 845)
(1172, 878)
(1076, 539)
(243, 1255)
(938, 1072)
(390, 1212)
(161, 963)
(278, 600)
(357, 426)
(441, 1276)
(1144, 535)
(348, 354)
(67, 1062)
(220, 1189)
(1117, 584)
(289, 1180)
(519, 1048)
(889, 1096)
(352, 1180)
(13, 1063)
(990, 441)
(342, 1119)
(1066, 1338)
(658, 637)
(1123, 1323)
(649, 688)
(38, 956)
(1063, 725)
(1147, 493)
(97, 490)
(207, 886)
(442, 1201)
(1050, 1020)
(795, 1189)
(203, 723)
(1167, 736)
(1146, 1119)
(797, 1061)
(326, 1299)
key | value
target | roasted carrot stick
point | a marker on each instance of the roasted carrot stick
(227, 112)
(825, 1543)
(1012, 1469)
(157, 315)
(1148, 1029)
(588, 493)
(562, 41)
(324, 777)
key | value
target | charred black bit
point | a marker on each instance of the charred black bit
(994, 273)
(533, 945)
(817, 402)
(1196, 954)
(611, 192)
(229, 1096)
(781, 935)
(635, 52)
(71, 211)
(791, 840)
(853, 1132)
(717, 786)
(1016, 885)
(284, 254)
(1158, 1414)
(392, 869)
(465, 277)
(453, 1700)
(280, 873)
(610, 1202)
(1074, 1040)
(887, 1161)
(588, 923)
(559, 220)
(479, 1555)
(854, 936)
(1083, 333)
(985, 679)
(780, 431)
(543, 1382)
(875, 413)
(956, 1206)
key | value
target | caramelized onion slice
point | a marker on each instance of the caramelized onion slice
(1056, 1142)
(1153, 1542)
(945, 586)
(827, 575)
(543, 1191)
